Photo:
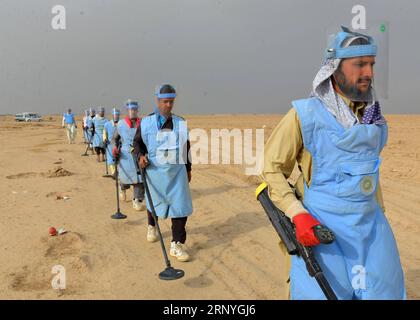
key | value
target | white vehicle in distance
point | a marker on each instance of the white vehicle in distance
(28, 116)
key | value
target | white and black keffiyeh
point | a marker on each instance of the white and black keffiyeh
(323, 89)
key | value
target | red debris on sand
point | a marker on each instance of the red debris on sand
(52, 231)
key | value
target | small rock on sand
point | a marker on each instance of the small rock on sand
(59, 172)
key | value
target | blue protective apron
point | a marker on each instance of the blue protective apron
(363, 262)
(166, 173)
(69, 118)
(110, 129)
(89, 122)
(85, 131)
(127, 169)
(99, 124)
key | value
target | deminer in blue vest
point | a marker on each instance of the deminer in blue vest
(98, 124)
(109, 130)
(70, 124)
(122, 149)
(84, 126)
(162, 147)
(336, 137)
(90, 127)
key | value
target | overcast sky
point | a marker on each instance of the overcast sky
(223, 56)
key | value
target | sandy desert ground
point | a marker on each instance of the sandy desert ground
(234, 248)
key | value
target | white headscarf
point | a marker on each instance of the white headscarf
(323, 89)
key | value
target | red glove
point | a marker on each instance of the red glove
(115, 152)
(304, 223)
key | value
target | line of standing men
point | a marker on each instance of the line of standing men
(157, 143)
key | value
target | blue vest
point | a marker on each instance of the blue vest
(89, 122)
(363, 262)
(99, 124)
(85, 131)
(127, 169)
(166, 173)
(110, 129)
(69, 118)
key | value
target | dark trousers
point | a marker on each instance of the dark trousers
(138, 190)
(99, 150)
(179, 234)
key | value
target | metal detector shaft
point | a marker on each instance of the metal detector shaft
(87, 148)
(116, 184)
(106, 159)
(152, 208)
(118, 214)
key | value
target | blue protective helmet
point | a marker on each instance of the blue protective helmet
(131, 104)
(160, 95)
(339, 48)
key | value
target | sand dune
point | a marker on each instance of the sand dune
(234, 248)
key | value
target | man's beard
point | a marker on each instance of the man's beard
(351, 91)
